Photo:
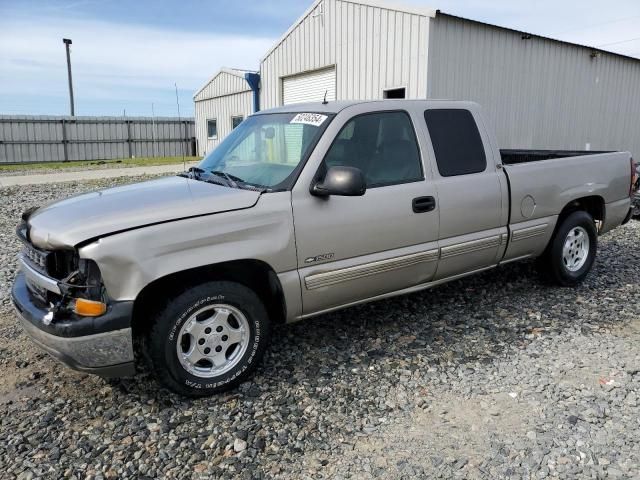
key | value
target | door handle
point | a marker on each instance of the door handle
(423, 204)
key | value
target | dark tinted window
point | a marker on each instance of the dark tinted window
(456, 142)
(235, 121)
(394, 93)
(212, 128)
(383, 145)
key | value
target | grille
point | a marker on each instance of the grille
(37, 258)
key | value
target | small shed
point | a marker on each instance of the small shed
(220, 105)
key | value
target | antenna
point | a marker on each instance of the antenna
(184, 162)
(324, 102)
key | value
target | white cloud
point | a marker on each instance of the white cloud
(114, 61)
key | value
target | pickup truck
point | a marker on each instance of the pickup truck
(301, 210)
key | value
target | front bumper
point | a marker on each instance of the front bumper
(99, 345)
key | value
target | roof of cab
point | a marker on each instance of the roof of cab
(334, 107)
(316, 107)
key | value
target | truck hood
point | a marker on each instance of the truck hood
(67, 223)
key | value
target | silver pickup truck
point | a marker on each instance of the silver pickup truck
(300, 211)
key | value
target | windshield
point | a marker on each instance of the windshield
(266, 150)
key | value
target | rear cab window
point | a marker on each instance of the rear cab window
(456, 142)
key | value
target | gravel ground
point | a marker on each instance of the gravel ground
(96, 165)
(494, 376)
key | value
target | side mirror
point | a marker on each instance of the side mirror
(342, 181)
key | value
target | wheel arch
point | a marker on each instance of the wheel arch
(594, 205)
(257, 275)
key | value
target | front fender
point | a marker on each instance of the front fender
(131, 260)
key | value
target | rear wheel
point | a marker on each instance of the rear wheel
(208, 339)
(572, 251)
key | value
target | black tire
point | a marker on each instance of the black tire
(164, 335)
(552, 265)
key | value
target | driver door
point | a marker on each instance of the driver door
(355, 248)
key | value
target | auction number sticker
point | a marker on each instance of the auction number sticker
(315, 119)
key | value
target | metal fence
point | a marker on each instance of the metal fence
(54, 139)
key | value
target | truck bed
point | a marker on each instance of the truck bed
(512, 157)
(552, 184)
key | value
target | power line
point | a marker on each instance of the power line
(618, 43)
(586, 27)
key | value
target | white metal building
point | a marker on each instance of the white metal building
(220, 105)
(364, 49)
(539, 93)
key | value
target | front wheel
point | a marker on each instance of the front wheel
(208, 339)
(572, 251)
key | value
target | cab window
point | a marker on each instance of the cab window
(456, 142)
(383, 145)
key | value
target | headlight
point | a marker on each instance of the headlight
(83, 282)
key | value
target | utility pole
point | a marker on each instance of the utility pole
(67, 42)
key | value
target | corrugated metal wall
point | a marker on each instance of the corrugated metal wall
(373, 48)
(310, 87)
(538, 93)
(222, 109)
(222, 84)
(225, 96)
(51, 139)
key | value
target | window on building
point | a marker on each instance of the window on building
(382, 145)
(212, 128)
(394, 93)
(236, 120)
(456, 142)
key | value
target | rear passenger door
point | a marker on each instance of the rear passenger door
(473, 200)
(354, 248)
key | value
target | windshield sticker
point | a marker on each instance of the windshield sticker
(315, 119)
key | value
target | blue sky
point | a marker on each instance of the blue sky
(127, 55)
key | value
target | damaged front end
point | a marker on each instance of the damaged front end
(61, 280)
(65, 308)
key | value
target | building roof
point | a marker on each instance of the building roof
(385, 4)
(237, 72)
(531, 35)
(427, 12)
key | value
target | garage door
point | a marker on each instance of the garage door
(309, 87)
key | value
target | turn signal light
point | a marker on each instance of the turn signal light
(89, 308)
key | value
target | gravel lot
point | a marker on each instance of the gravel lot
(97, 165)
(83, 166)
(495, 376)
